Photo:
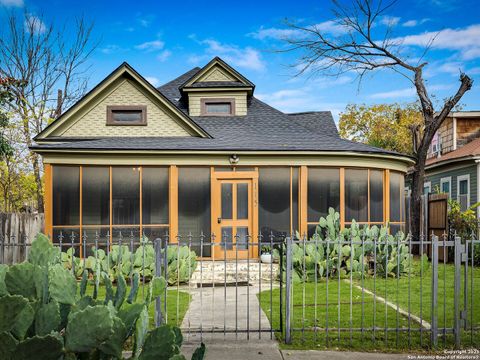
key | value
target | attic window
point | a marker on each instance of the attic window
(127, 115)
(217, 107)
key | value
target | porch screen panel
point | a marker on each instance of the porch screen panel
(96, 195)
(194, 206)
(66, 195)
(295, 200)
(396, 198)
(356, 195)
(323, 189)
(154, 195)
(274, 202)
(126, 195)
(376, 195)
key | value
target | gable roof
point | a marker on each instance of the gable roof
(468, 151)
(240, 80)
(123, 70)
(264, 128)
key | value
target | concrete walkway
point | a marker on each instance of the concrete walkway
(234, 309)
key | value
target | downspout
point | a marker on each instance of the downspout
(477, 161)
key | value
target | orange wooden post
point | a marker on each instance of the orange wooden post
(48, 200)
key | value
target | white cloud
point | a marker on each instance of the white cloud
(400, 93)
(413, 23)
(13, 3)
(464, 40)
(389, 20)
(145, 20)
(164, 55)
(151, 45)
(111, 49)
(407, 92)
(330, 27)
(34, 24)
(247, 58)
(153, 80)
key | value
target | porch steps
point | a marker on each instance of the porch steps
(219, 272)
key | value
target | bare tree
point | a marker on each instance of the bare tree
(360, 46)
(47, 59)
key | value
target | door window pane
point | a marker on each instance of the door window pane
(227, 240)
(356, 195)
(95, 195)
(242, 201)
(323, 192)
(242, 238)
(66, 195)
(274, 202)
(194, 205)
(126, 195)
(154, 195)
(376, 195)
(396, 196)
(227, 194)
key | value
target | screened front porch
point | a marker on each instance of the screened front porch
(227, 205)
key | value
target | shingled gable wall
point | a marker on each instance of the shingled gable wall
(93, 123)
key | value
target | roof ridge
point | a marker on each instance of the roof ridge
(309, 112)
(196, 69)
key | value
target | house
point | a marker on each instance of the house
(453, 160)
(202, 155)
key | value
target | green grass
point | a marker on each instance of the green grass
(175, 314)
(351, 313)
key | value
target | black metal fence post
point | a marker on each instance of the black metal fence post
(158, 272)
(288, 334)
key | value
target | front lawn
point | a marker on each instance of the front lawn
(349, 307)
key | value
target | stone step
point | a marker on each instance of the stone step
(219, 272)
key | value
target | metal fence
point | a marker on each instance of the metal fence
(361, 291)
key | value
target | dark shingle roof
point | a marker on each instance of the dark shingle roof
(264, 128)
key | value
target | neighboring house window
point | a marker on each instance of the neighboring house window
(127, 115)
(446, 185)
(217, 107)
(463, 191)
(427, 188)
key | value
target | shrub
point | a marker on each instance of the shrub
(46, 314)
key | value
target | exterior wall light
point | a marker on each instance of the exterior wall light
(234, 159)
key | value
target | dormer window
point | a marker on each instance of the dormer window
(217, 107)
(127, 115)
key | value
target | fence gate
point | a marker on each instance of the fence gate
(233, 298)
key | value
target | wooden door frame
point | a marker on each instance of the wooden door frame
(216, 178)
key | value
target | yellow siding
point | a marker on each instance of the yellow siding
(93, 123)
(216, 74)
(239, 96)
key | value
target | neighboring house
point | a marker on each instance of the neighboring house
(453, 159)
(201, 154)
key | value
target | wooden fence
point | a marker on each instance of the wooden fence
(17, 230)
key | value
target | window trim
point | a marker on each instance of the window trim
(447, 179)
(429, 185)
(462, 178)
(205, 101)
(112, 108)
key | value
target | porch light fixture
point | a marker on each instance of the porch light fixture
(234, 159)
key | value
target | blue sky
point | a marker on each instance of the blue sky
(163, 39)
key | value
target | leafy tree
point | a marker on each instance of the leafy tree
(384, 125)
(51, 62)
(363, 46)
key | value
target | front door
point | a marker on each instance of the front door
(234, 215)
